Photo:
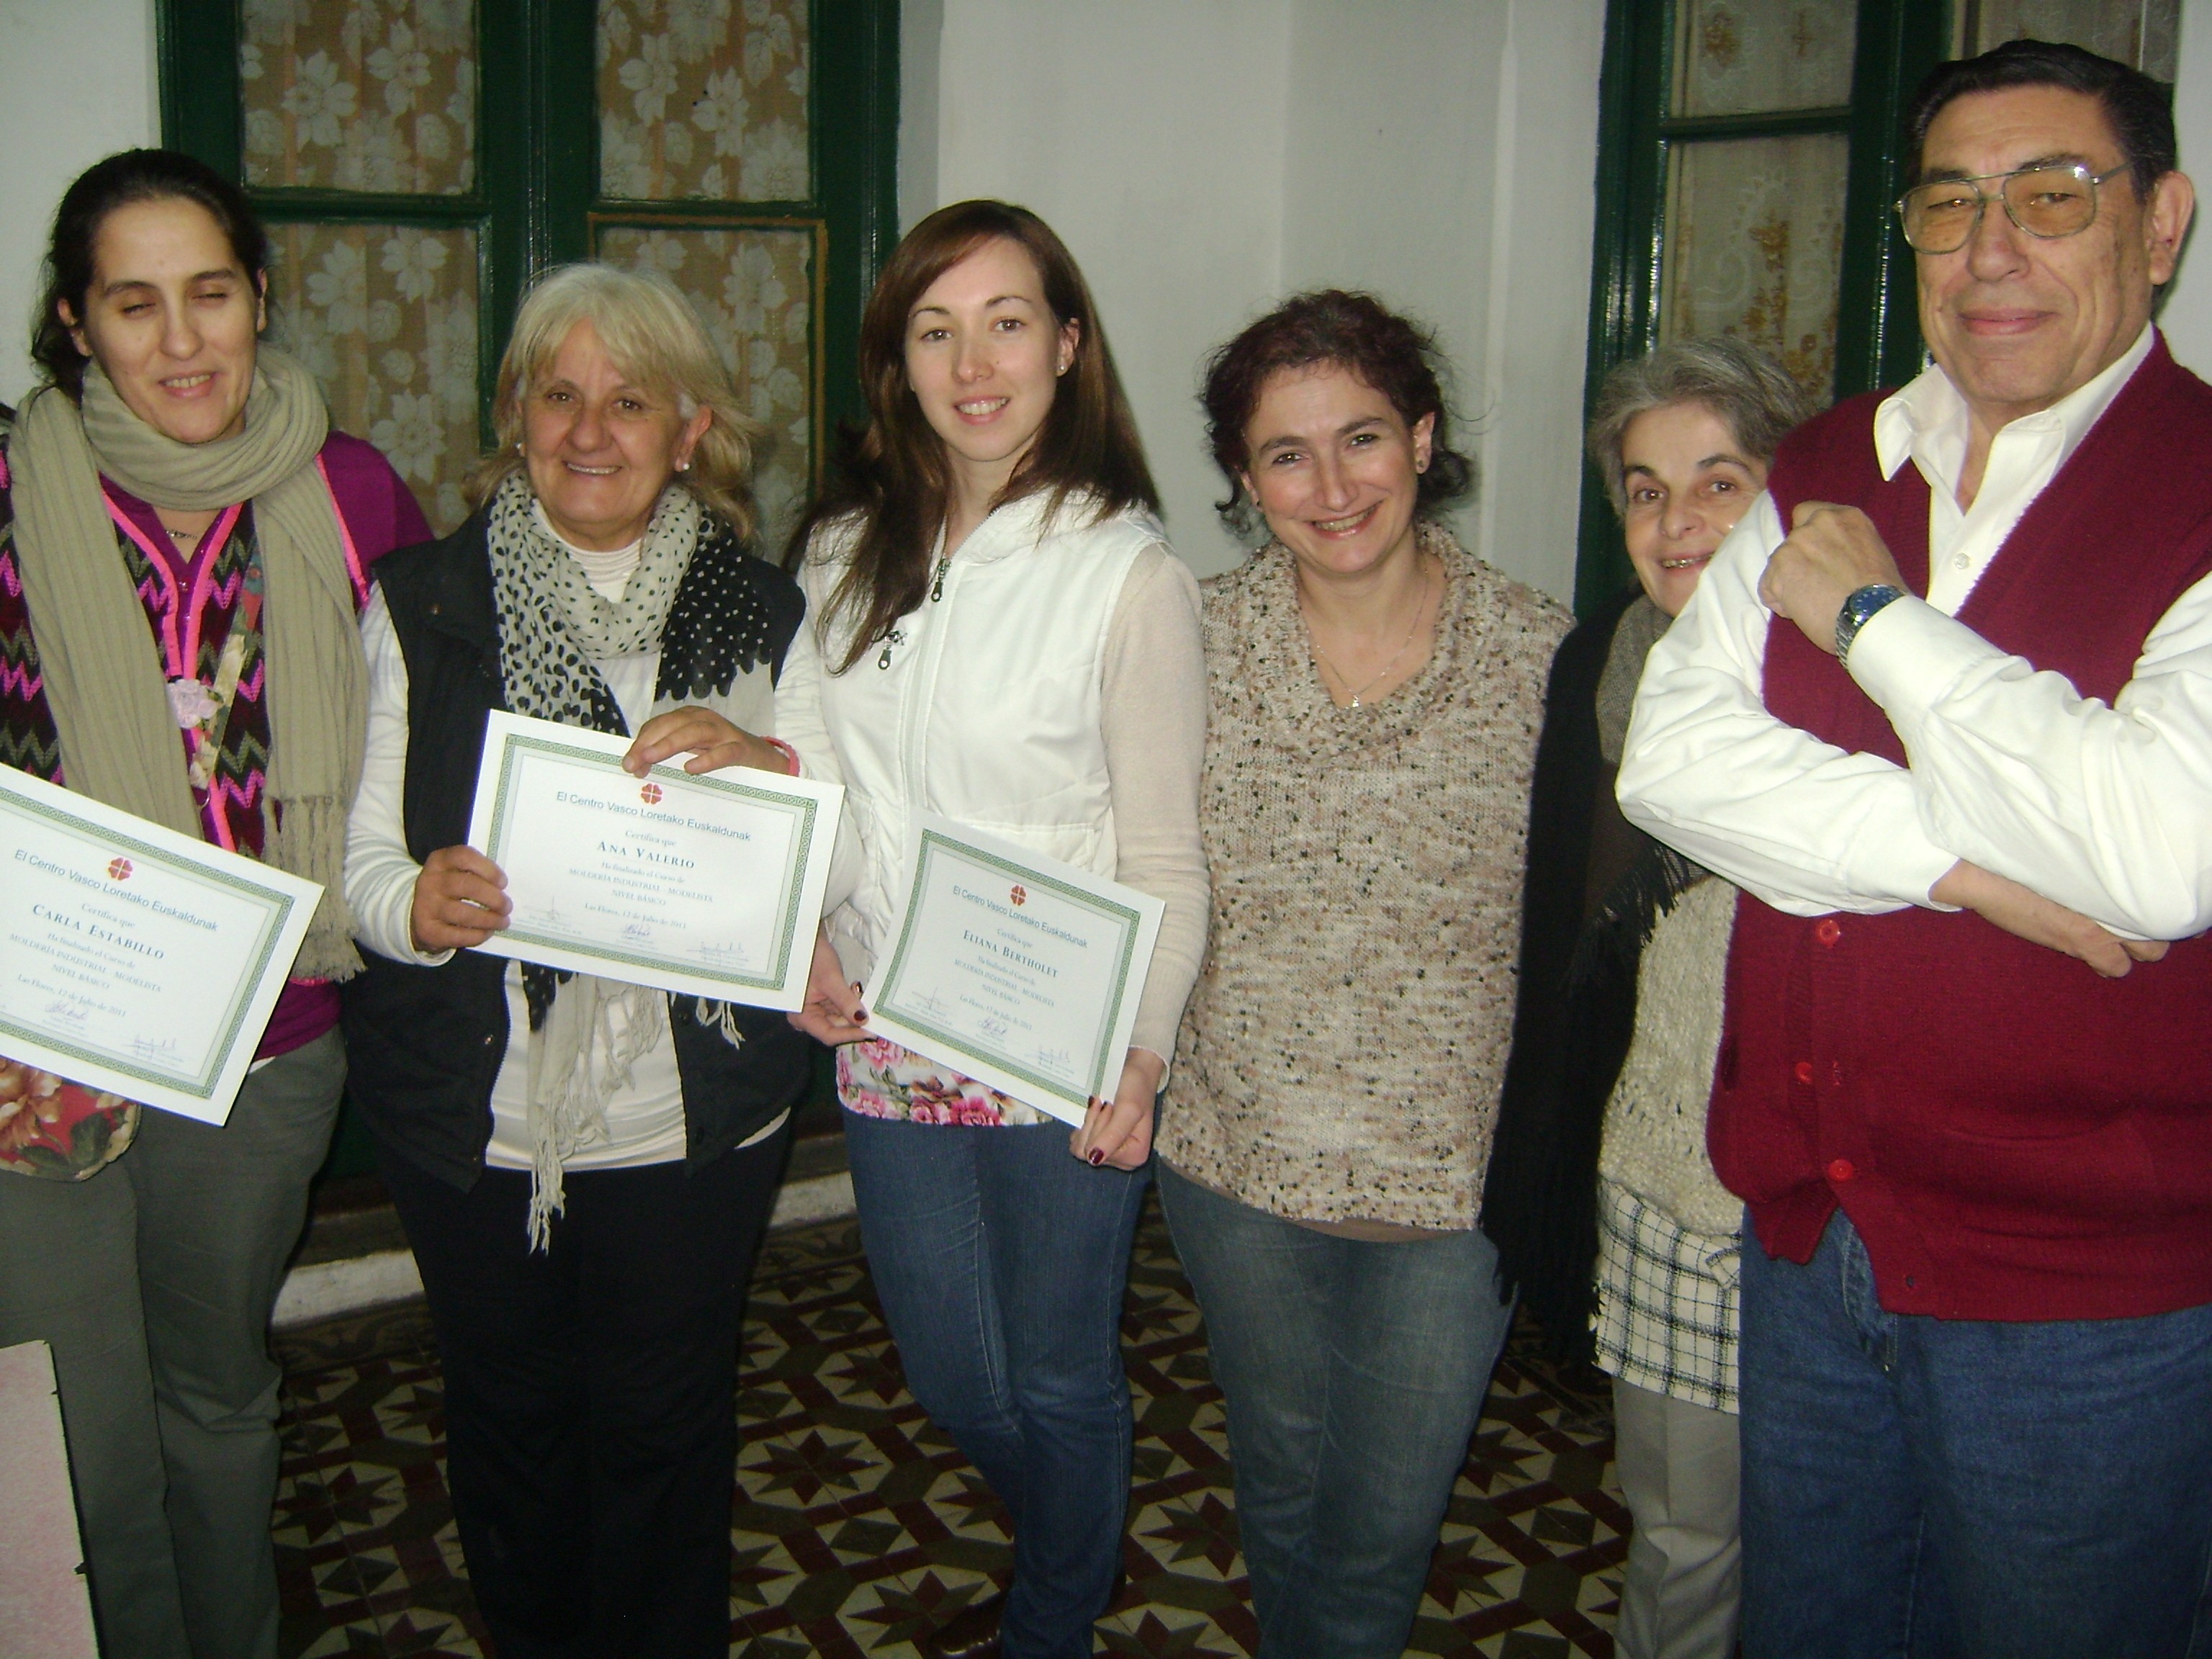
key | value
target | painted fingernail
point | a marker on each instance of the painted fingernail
(1097, 1158)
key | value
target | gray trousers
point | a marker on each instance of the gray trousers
(153, 1282)
(1679, 1475)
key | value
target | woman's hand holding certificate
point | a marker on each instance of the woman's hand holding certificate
(709, 884)
(136, 960)
(1020, 970)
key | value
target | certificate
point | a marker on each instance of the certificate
(1019, 970)
(708, 885)
(138, 961)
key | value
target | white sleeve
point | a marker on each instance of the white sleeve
(799, 722)
(1153, 721)
(380, 872)
(1806, 826)
(2106, 810)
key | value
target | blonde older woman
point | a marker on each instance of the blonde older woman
(584, 1168)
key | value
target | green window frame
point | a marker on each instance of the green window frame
(1877, 329)
(536, 201)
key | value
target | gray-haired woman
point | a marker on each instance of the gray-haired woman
(584, 1168)
(1600, 1177)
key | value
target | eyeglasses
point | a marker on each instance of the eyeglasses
(2050, 201)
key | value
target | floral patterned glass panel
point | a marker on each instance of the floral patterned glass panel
(360, 94)
(703, 99)
(754, 289)
(2144, 33)
(1754, 247)
(1753, 56)
(386, 317)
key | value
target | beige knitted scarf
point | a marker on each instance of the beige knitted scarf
(103, 681)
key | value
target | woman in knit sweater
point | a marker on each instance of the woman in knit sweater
(1620, 1011)
(1377, 694)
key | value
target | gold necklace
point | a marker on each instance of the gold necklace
(1329, 668)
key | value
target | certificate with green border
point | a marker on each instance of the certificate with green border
(709, 884)
(1014, 968)
(136, 960)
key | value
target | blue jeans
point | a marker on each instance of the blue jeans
(1932, 1488)
(1000, 1262)
(1354, 1374)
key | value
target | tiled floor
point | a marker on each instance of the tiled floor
(858, 1526)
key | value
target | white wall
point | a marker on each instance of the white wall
(2186, 316)
(1204, 158)
(78, 80)
(1150, 134)
(1442, 155)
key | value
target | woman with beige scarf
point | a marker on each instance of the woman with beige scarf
(184, 549)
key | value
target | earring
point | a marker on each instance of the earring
(684, 465)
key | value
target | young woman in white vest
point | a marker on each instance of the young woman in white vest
(999, 633)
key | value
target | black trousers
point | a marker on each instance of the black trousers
(591, 1413)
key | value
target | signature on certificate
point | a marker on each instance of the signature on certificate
(154, 1047)
(991, 1027)
(68, 1008)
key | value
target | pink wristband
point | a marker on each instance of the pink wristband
(790, 754)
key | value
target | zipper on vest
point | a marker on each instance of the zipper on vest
(895, 637)
(936, 587)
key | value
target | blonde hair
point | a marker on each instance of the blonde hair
(655, 340)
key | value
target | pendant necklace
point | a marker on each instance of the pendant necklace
(1337, 674)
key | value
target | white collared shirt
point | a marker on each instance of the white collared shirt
(2105, 810)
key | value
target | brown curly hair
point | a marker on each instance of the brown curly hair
(1357, 332)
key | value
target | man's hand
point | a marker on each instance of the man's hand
(460, 901)
(832, 1012)
(1119, 1130)
(1832, 552)
(2028, 916)
(712, 742)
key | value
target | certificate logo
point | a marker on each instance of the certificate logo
(1020, 894)
(650, 794)
(119, 869)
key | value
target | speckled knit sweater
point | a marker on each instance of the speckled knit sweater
(1342, 1054)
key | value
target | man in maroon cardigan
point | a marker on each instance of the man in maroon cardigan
(1951, 730)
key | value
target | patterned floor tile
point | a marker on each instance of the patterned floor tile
(858, 1526)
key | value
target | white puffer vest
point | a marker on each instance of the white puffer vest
(982, 706)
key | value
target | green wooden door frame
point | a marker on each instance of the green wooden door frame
(1877, 333)
(537, 200)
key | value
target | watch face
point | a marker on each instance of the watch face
(1857, 608)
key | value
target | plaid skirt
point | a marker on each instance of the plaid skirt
(1666, 1302)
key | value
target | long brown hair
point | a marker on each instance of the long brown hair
(894, 476)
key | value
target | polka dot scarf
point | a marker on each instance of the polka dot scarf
(694, 597)
(553, 623)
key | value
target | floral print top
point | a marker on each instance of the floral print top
(879, 1079)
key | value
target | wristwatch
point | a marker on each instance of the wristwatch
(1856, 610)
